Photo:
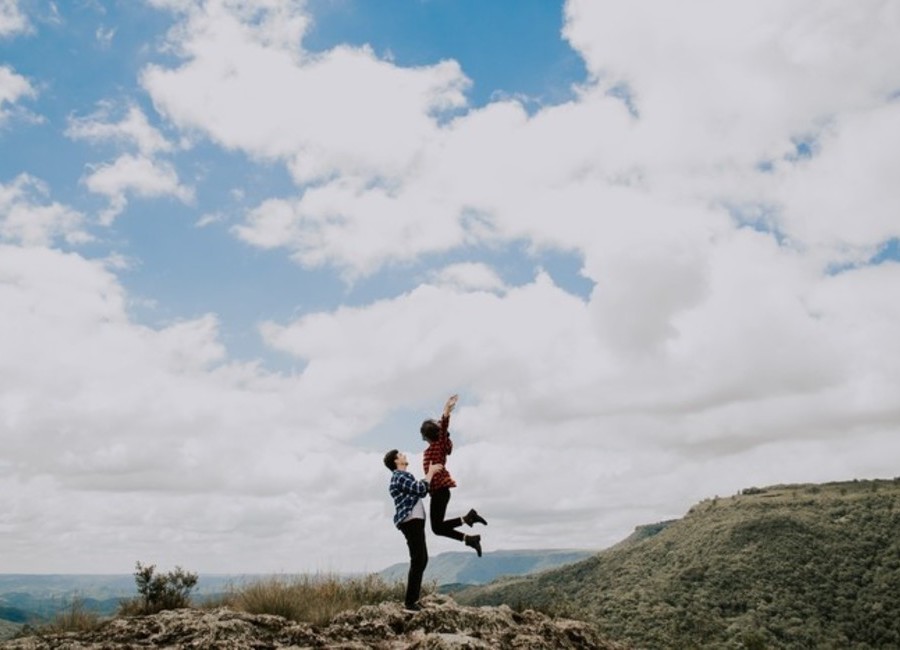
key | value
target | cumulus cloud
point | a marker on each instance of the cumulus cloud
(713, 117)
(134, 175)
(142, 174)
(723, 178)
(731, 83)
(341, 111)
(26, 217)
(13, 87)
(186, 447)
(843, 198)
(134, 129)
(710, 174)
(470, 276)
(12, 20)
(768, 359)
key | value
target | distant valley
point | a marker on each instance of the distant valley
(38, 598)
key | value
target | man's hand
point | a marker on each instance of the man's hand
(432, 470)
(451, 403)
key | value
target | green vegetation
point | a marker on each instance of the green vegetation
(314, 599)
(813, 566)
(159, 591)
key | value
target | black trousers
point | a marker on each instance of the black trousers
(439, 500)
(414, 532)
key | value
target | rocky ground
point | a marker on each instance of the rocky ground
(441, 625)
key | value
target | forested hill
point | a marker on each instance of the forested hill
(813, 566)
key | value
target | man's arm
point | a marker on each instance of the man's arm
(408, 483)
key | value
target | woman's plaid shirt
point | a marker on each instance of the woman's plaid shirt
(405, 490)
(437, 453)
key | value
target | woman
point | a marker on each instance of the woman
(437, 434)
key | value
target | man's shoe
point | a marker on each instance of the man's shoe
(412, 609)
(472, 517)
(475, 542)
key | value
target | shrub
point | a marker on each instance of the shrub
(159, 591)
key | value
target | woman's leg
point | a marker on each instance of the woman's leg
(439, 500)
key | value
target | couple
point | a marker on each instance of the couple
(408, 493)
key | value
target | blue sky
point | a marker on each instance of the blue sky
(247, 245)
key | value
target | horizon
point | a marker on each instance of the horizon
(247, 246)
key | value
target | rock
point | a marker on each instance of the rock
(441, 625)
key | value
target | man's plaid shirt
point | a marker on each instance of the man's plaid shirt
(437, 453)
(405, 490)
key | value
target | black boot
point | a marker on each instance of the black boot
(475, 542)
(472, 517)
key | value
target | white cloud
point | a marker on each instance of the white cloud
(187, 449)
(143, 175)
(719, 94)
(710, 355)
(12, 20)
(771, 358)
(249, 86)
(469, 276)
(105, 36)
(137, 175)
(13, 87)
(843, 200)
(705, 344)
(134, 129)
(732, 82)
(27, 218)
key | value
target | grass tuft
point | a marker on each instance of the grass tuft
(77, 617)
(313, 599)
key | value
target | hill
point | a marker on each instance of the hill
(442, 624)
(458, 569)
(813, 566)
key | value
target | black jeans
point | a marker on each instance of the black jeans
(439, 500)
(414, 532)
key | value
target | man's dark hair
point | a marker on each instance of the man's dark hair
(390, 459)
(430, 430)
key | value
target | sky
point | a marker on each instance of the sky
(247, 246)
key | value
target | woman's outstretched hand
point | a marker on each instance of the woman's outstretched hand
(451, 403)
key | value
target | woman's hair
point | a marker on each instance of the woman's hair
(390, 459)
(430, 430)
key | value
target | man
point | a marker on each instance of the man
(409, 517)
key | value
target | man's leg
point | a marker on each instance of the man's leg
(438, 510)
(414, 531)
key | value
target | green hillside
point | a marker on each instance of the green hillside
(466, 568)
(789, 566)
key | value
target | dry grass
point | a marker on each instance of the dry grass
(76, 618)
(313, 599)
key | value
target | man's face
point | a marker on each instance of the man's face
(401, 462)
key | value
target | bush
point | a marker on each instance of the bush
(159, 591)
